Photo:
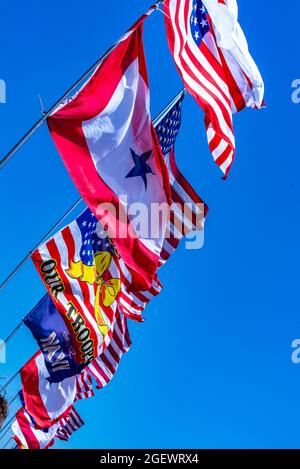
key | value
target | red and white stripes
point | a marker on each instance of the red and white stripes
(104, 367)
(69, 425)
(222, 79)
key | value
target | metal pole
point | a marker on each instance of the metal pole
(10, 380)
(7, 443)
(6, 429)
(27, 257)
(46, 114)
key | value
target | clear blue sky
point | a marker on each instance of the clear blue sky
(211, 366)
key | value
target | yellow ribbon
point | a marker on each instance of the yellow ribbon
(106, 292)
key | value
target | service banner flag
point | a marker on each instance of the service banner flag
(212, 57)
(106, 138)
(54, 339)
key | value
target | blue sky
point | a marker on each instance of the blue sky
(211, 366)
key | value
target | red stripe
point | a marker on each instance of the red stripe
(34, 403)
(211, 117)
(28, 434)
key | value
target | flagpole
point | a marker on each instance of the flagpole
(46, 114)
(9, 381)
(28, 256)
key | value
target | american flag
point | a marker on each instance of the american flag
(27, 436)
(69, 425)
(210, 74)
(84, 385)
(105, 366)
(190, 210)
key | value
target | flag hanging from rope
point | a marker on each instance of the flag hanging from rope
(216, 69)
(47, 403)
(28, 437)
(106, 138)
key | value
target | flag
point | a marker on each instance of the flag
(54, 340)
(107, 141)
(45, 402)
(84, 384)
(189, 210)
(244, 80)
(217, 77)
(104, 367)
(68, 425)
(28, 437)
(88, 281)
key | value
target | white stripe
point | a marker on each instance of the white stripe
(191, 82)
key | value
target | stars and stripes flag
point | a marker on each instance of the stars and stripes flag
(189, 210)
(27, 436)
(106, 138)
(68, 425)
(105, 366)
(212, 57)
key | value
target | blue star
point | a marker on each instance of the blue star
(141, 167)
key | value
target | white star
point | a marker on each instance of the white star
(195, 7)
(203, 23)
(83, 253)
(203, 9)
(84, 223)
(195, 21)
(196, 35)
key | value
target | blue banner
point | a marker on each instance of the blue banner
(54, 340)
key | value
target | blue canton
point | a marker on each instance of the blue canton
(199, 21)
(91, 242)
(169, 126)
